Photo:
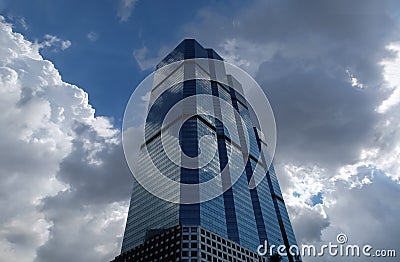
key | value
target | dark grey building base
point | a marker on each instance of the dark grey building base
(189, 243)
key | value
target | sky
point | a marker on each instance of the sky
(330, 69)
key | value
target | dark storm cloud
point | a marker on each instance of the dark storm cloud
(306, 217)
(106, 179)
(320, 116)
(311, 50)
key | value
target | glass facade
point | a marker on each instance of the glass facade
(245, 216)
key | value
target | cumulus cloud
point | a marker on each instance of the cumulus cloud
(125, 8)
(365, 215)
(64, 182)
(53, 43)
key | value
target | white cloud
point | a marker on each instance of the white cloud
(54, 150)
(23, 23)
(54, 43)
(125, 8)
(147, 59)
(93, 36)
(302, 192)
(18, 20)
(354, 81)
(392, 77)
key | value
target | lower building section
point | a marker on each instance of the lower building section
(188, 244)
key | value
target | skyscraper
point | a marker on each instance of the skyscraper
(231, 225)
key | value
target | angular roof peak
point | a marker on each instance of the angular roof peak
(188, 48)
